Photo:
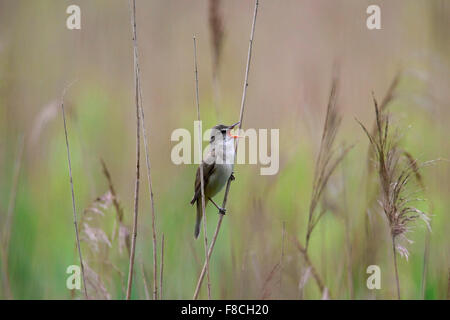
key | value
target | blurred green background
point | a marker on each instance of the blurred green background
(296, 45)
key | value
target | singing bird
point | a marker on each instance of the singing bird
(217, 169)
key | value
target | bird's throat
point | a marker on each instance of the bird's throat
(224, 152)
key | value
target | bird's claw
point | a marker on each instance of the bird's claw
(232, 178)
(222, 211)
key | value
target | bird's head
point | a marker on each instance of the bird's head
(223, 132)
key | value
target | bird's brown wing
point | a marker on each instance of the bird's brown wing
(208, 170)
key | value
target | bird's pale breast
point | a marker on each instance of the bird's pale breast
(218, 179)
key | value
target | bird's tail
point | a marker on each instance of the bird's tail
(198, 221)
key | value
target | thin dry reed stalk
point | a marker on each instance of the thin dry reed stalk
(348, 244)
(152, 201)
(138, 138)
(397, 280)
(265, 288)
(202, 182)
(426, 252)
(72, 192)
(311, 267)
(227, 189)
(146, 290)
(211, 248)
(161, 268)
(426, 257)
(150, 188)
(303, 280)
(283, 235)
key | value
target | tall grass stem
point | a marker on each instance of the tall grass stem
(75, 223)
(138, 139)
(227, 189)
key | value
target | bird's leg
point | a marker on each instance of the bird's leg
(221, 210)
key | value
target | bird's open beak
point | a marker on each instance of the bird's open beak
(230, 128)
(234, 125)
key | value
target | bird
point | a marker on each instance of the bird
(217, 169)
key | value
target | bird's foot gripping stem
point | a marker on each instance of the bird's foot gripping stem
(222, 211)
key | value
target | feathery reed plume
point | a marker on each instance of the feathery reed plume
(94, 222)
(99, 244)
(123, 232)
(93, 234)
(102, 247)
(6, 232)
(97, 284)
(371, 226)
(394, 176)
(72, 192)
(202, 182)
(325, 164)
(389, 96)
(119, 210)
(138, 138)
(227, 188)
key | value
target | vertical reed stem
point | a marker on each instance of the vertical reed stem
(202, 183)
(75, 223)
(396, 269)
(244, 93)
(150, 185)
(161, 269)
(136, 190)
